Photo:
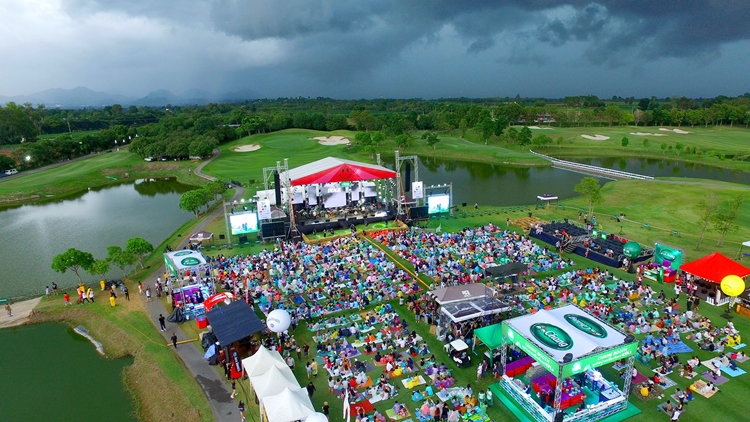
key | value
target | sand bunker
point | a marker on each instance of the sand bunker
(332, 140)
(596, 137)
(247, 148)
(540, 128)
(677, 131)
(647, 134)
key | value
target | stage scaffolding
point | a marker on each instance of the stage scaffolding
(401, 200)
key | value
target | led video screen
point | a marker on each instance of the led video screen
(438, 203)
(246, 222)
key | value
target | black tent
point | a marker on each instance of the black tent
(509, 269)
(234, 322)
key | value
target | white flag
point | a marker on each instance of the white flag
(347, 411)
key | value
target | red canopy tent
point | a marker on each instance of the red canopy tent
(332, 170)
(715, 267)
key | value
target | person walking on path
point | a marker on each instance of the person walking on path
(140, 288)
(46, 292)
(90, 294)
(66, 299)
(326, 410)
(8, 310)
(241, 407)
(174, 340)
(314, 366)
(308, 368)
(54, 288)
(127, 293)
(234, 389)
(162, 325)
(310, 389)
(148, 294)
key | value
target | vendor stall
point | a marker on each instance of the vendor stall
(711, 269)
(564, 346)
(466, 302)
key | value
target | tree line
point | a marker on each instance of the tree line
(136, 250)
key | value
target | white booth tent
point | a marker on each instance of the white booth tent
(177, 262)
(291, 404)
(262, 361)
(564, 330)
(273, 381)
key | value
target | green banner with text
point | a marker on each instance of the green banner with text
(512, 337)
(600, 359)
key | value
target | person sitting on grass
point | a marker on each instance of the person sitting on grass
(417, 396)
(399, 410)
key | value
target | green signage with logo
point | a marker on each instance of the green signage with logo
(600, 359)
(551, 336)
(170, 268)
(190, 262)
(183, 253)
(587, 325)
(511, 337)
(665, 253)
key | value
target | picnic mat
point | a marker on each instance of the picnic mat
(619, 366)
(667, 383)
(732, 372)
(412, 382)
(697, 386)
(718, 381)
(364, 404)
(639, 378)
(674, 396)
(367, 383)
(369, 367)
(655, 393)
(392, 415)
(744, 359)
(661, 407)
(680, 347)
(739, 346)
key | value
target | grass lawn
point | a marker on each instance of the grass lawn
(94, 171)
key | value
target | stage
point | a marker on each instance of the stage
(311, 226)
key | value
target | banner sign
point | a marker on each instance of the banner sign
(264, 209)
(669, 254)
(417, 190)
(236, 371)
(515, 338)
(600, 359)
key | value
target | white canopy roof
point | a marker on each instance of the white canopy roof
(564, 330)
(262, 361)
(273, 381)
(289, 405)
(179, 261)
(746, 243)
(459, 345)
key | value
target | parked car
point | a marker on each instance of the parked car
(11, 172)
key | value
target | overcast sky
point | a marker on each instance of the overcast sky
(367, 49)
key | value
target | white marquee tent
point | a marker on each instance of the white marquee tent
(273, 381)
(262, 361)
(291, 404)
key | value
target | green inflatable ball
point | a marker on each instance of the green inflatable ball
(631, 249)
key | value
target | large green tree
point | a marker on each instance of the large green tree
(100, 267)
(120, 257)
(73, 260)
(725, 221)
(193, 200)
(139, 247)
(590, 189)
(524, 136)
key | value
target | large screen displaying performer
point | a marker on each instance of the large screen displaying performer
(438, 203)
(246, 222)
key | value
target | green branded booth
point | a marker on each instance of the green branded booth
(556, 376)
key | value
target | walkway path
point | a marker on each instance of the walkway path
(209, 378)
(21, 312)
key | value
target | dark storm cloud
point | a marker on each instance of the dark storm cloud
(353, 30)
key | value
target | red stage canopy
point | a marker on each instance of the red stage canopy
(715, 267)
(332, 170)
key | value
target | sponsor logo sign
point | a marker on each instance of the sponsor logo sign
(551, 336)
(587, 325)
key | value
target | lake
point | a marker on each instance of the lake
(90, 221)
(50, 373)
(666, 168)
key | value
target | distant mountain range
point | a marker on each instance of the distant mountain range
(81, 97)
